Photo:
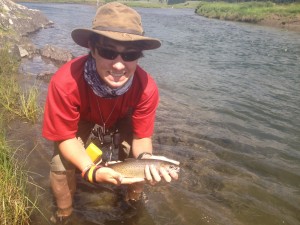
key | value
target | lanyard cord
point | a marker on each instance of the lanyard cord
(102, 120)
(110, 152)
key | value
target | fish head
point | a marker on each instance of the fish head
(171, 167)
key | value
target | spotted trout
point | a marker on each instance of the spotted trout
(136, 167)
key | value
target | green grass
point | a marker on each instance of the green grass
(14, 100)
(247, 11)
(18, 103)
(15, 204)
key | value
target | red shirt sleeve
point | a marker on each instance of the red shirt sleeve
(143, 117)
(61, 114)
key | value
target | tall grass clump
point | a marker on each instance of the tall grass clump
(15, 204)
(14, 100)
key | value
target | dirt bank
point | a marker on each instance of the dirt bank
(292, 24)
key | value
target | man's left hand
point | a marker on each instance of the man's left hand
(154, 176)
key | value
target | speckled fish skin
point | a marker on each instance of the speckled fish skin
(136, 167)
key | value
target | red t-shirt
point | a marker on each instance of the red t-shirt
(71, 99)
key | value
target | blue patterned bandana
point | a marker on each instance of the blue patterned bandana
(98, 86)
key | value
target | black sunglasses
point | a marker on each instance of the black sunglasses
(111, 54)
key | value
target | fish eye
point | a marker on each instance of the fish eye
(173, 167)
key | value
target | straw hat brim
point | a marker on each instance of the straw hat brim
(81, 37)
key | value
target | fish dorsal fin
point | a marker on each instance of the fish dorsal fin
(130, 160)
(155, 157)
(163, 158)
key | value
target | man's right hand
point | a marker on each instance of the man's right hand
(108, 175)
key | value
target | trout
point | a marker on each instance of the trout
(136, 167)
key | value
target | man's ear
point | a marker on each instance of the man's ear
(92, 50)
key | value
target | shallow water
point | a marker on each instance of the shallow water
(229, 112)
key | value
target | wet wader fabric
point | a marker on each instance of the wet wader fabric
(62, 172)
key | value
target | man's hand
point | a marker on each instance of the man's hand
(153, 175)
(108, 175)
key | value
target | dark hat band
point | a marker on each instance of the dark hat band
(120, 30)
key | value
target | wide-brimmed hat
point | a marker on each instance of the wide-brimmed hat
(118, 22)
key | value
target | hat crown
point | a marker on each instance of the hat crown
(117, 22)
(117, 17)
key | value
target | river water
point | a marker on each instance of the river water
(229, 112)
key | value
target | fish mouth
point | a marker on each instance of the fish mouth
(173, 168)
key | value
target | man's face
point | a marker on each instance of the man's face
(118, 69)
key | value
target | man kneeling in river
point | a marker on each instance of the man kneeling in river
(106, 95)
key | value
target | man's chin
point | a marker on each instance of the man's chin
(115, 84)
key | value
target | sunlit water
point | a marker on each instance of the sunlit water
(229, 112)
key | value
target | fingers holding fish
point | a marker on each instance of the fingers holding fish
(168, 171)
(133, 171)
(151, 170)
(165, 174)
(174, 175)
(108, 175)
(148, 175)
(155, 173)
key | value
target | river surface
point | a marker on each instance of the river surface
(229, 112)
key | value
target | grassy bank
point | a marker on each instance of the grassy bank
(253, 12)
(15, 204)
(157, 4)
(14, 101)
(143, 4)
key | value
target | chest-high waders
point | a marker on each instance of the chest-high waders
(115, 144)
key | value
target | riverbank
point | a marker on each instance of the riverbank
(17, 103)
(284, 16)
(17, 204)
(142, 4)
(292, 24)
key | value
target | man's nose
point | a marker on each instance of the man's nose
(118, 65)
